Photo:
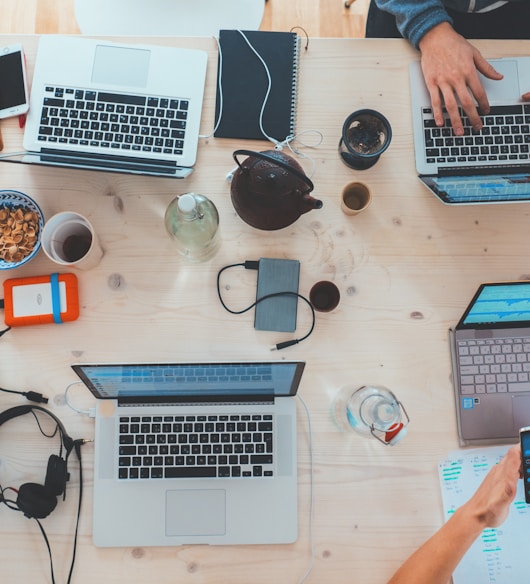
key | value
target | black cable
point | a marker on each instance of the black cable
(8, 502)
(29, 395)
(1, 308)
(253, 265)
(49, 548)
(57, 429)
(77, 448)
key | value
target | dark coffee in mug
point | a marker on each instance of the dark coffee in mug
(324, 296)
(76, 246)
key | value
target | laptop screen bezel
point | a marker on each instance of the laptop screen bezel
(141, 399)
(462, 325)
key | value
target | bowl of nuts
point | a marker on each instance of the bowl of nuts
(21, 223)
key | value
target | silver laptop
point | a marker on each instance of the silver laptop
(194, 453)
(491, 364)
(490, 166)
(100, 105)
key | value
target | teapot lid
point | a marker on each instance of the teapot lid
(276, 161)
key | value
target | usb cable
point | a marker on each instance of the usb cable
(254, 265)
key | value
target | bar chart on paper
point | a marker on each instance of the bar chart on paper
(499, 555)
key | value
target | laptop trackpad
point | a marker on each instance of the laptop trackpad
(201, 512)
(521, 411)
(507, 89)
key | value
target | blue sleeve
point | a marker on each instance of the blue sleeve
(415, 18)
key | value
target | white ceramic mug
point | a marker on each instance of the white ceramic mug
(69, 239)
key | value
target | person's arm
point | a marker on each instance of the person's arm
(415, 17)
(436, 559)
(450, 63)
(526, 96)
(450, 67)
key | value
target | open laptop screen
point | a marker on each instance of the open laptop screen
(195, 380)
(499, 304)
(493, 188)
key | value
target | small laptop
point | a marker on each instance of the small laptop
(101, 105)
(189, 453)
(490, 349)
(490, 166)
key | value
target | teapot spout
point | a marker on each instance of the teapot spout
(309, 203)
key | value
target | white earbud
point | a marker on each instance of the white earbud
(230, 175)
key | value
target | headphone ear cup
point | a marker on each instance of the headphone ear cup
(56, 475)
(35, 501)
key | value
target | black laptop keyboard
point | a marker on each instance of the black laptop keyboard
(494, 365)
(504, 137)
(117, 122)
(228, 446)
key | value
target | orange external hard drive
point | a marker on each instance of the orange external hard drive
(41, 300)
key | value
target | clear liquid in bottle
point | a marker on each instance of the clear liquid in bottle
(193, 222)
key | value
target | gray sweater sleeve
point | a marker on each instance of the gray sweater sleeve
(415, 17)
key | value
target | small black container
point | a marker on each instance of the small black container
(366, 134)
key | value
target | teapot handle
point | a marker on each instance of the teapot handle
(273, 160)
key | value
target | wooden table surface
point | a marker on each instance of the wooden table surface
(406, 269)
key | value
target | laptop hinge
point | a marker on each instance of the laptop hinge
(107, 161)
(195, 401)
(483, 170)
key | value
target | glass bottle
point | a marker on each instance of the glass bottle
(371, 410)
(193, 222)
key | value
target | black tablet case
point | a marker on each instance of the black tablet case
(244, 84)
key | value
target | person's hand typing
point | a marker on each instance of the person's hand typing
(450, 67)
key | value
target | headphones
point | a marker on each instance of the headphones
(37, 501)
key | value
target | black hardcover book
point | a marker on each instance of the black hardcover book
(244, 84)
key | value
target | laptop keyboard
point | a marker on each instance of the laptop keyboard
(494, 365)
(117, 122)
(504, 137)
(227, 446)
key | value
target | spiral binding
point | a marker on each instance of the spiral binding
(294, 87)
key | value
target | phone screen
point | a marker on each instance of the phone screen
(525, 455)
(12, 90)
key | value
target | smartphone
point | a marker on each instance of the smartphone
(524, 437)
(13, 85)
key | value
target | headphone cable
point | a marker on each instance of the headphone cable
(49, 548)
(77, 448)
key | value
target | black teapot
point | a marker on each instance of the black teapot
(270, 190)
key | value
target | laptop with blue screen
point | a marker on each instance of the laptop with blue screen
(491, 364)
(488, 166)
(194, 452)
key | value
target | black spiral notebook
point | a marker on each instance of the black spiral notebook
(244, 84)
